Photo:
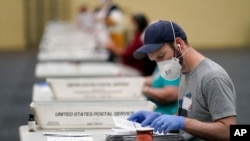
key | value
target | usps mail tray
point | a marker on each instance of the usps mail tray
(116, 88)
(78, 115)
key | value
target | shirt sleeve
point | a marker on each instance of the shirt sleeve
(171, 82)
(133, 46)
(220, 98)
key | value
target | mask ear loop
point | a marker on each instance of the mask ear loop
(175, 54)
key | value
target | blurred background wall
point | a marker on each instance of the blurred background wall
(22, 21)
(12, 25)
(208, 24)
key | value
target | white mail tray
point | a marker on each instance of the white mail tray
(45, 70)
(115, 88)
(76, 115)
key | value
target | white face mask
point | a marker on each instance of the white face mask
(170, 69)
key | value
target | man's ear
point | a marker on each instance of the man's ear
(180, 44)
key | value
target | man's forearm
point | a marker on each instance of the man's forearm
(218, 130)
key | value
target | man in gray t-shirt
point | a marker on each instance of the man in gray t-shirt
(211, 92)
(207, 99)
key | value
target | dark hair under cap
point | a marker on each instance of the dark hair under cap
(140, 20)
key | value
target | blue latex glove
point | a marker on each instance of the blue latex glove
(144, 117)
(166, 123)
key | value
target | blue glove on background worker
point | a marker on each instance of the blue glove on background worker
(160, 123)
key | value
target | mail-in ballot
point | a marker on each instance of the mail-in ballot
(75, 115)
(109, 88)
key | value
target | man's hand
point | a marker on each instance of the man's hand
(144, 117)
(166, 123)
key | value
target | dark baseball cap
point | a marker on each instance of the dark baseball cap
(156, 35)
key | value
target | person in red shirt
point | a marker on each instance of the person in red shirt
(145, 66)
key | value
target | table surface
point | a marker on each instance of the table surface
(98, 134)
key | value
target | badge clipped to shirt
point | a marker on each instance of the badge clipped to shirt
(187, 103)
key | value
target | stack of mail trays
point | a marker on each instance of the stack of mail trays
(87, 103)
(81, 101)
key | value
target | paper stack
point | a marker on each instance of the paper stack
(126, 131)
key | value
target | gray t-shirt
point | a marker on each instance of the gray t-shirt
(207, 93)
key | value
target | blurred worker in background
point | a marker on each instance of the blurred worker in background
(207, 99)
(113, 18)
(145, 66)
(164, 93)
(85, 18)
